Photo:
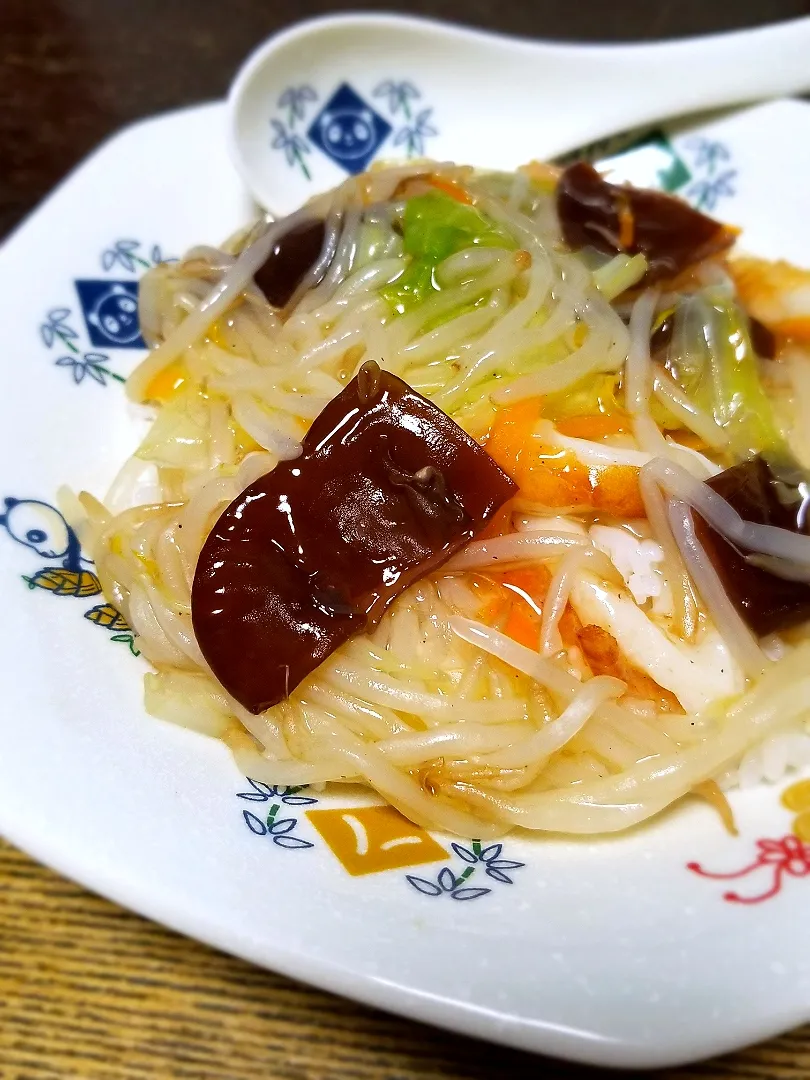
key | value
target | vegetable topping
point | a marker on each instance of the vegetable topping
(766, 601)
(612, 218)
(387, 487)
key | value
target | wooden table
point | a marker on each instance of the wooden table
(87, 990)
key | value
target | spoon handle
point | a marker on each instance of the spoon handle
(678, 77)
(496, 101)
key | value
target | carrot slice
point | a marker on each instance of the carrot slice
(593, 427)
(523, 625)
(499, 524)
(451, 188)
(528, 588)
(557, 478)
(517, 607)
(616, 491)
(512, 431)
(627, 222)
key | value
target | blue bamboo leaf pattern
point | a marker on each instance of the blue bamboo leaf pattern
(447, 879)
(709, 154)
(56, 328)
(92, 364)
(399, 96)
(470, 894)
(256, 825)
(412, 137)
(718, 180)
(263, 792)
(292, 842)
(476, 858)
(498, 875)
(706, 193)
(125, 254)
(293, 146)
(464, 853)
(423, 885)
(279, 830)
(295, 100)
(491, 852)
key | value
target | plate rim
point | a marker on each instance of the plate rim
(464, 1018)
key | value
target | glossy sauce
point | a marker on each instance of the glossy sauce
(386, 489)
(614, 218)
(766, 602)
(763, 341)
(290, 259)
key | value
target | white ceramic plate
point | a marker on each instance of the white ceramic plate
(613, 951)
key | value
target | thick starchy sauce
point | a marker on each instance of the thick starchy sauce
(766, 602)
(614, 218)
(387, 488)
(290, 259)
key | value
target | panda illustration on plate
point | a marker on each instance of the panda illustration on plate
(115, 315)
(42, 528)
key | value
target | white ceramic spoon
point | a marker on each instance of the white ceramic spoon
(325, 98)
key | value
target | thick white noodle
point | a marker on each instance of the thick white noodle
(557, 597)
(740, 640)
(766, 539)
(638, 368)
(456, 723)
(509, 549)
(221, 296)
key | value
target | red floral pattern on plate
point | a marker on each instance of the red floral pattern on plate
(775, 859)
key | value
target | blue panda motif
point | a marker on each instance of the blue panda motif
(111, 313)
(116, 315)
(348, 134)
(348, 130)
(39, 526)
(42, 528)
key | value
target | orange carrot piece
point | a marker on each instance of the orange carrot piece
(533, 580)
(627, 224)
(616, 491)
(593, 427)
(512, 430)
(557, 478)
(518, 617)
(528, 587)
(451, 188)
(523, 621)
(523, 625)
(499, 524)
